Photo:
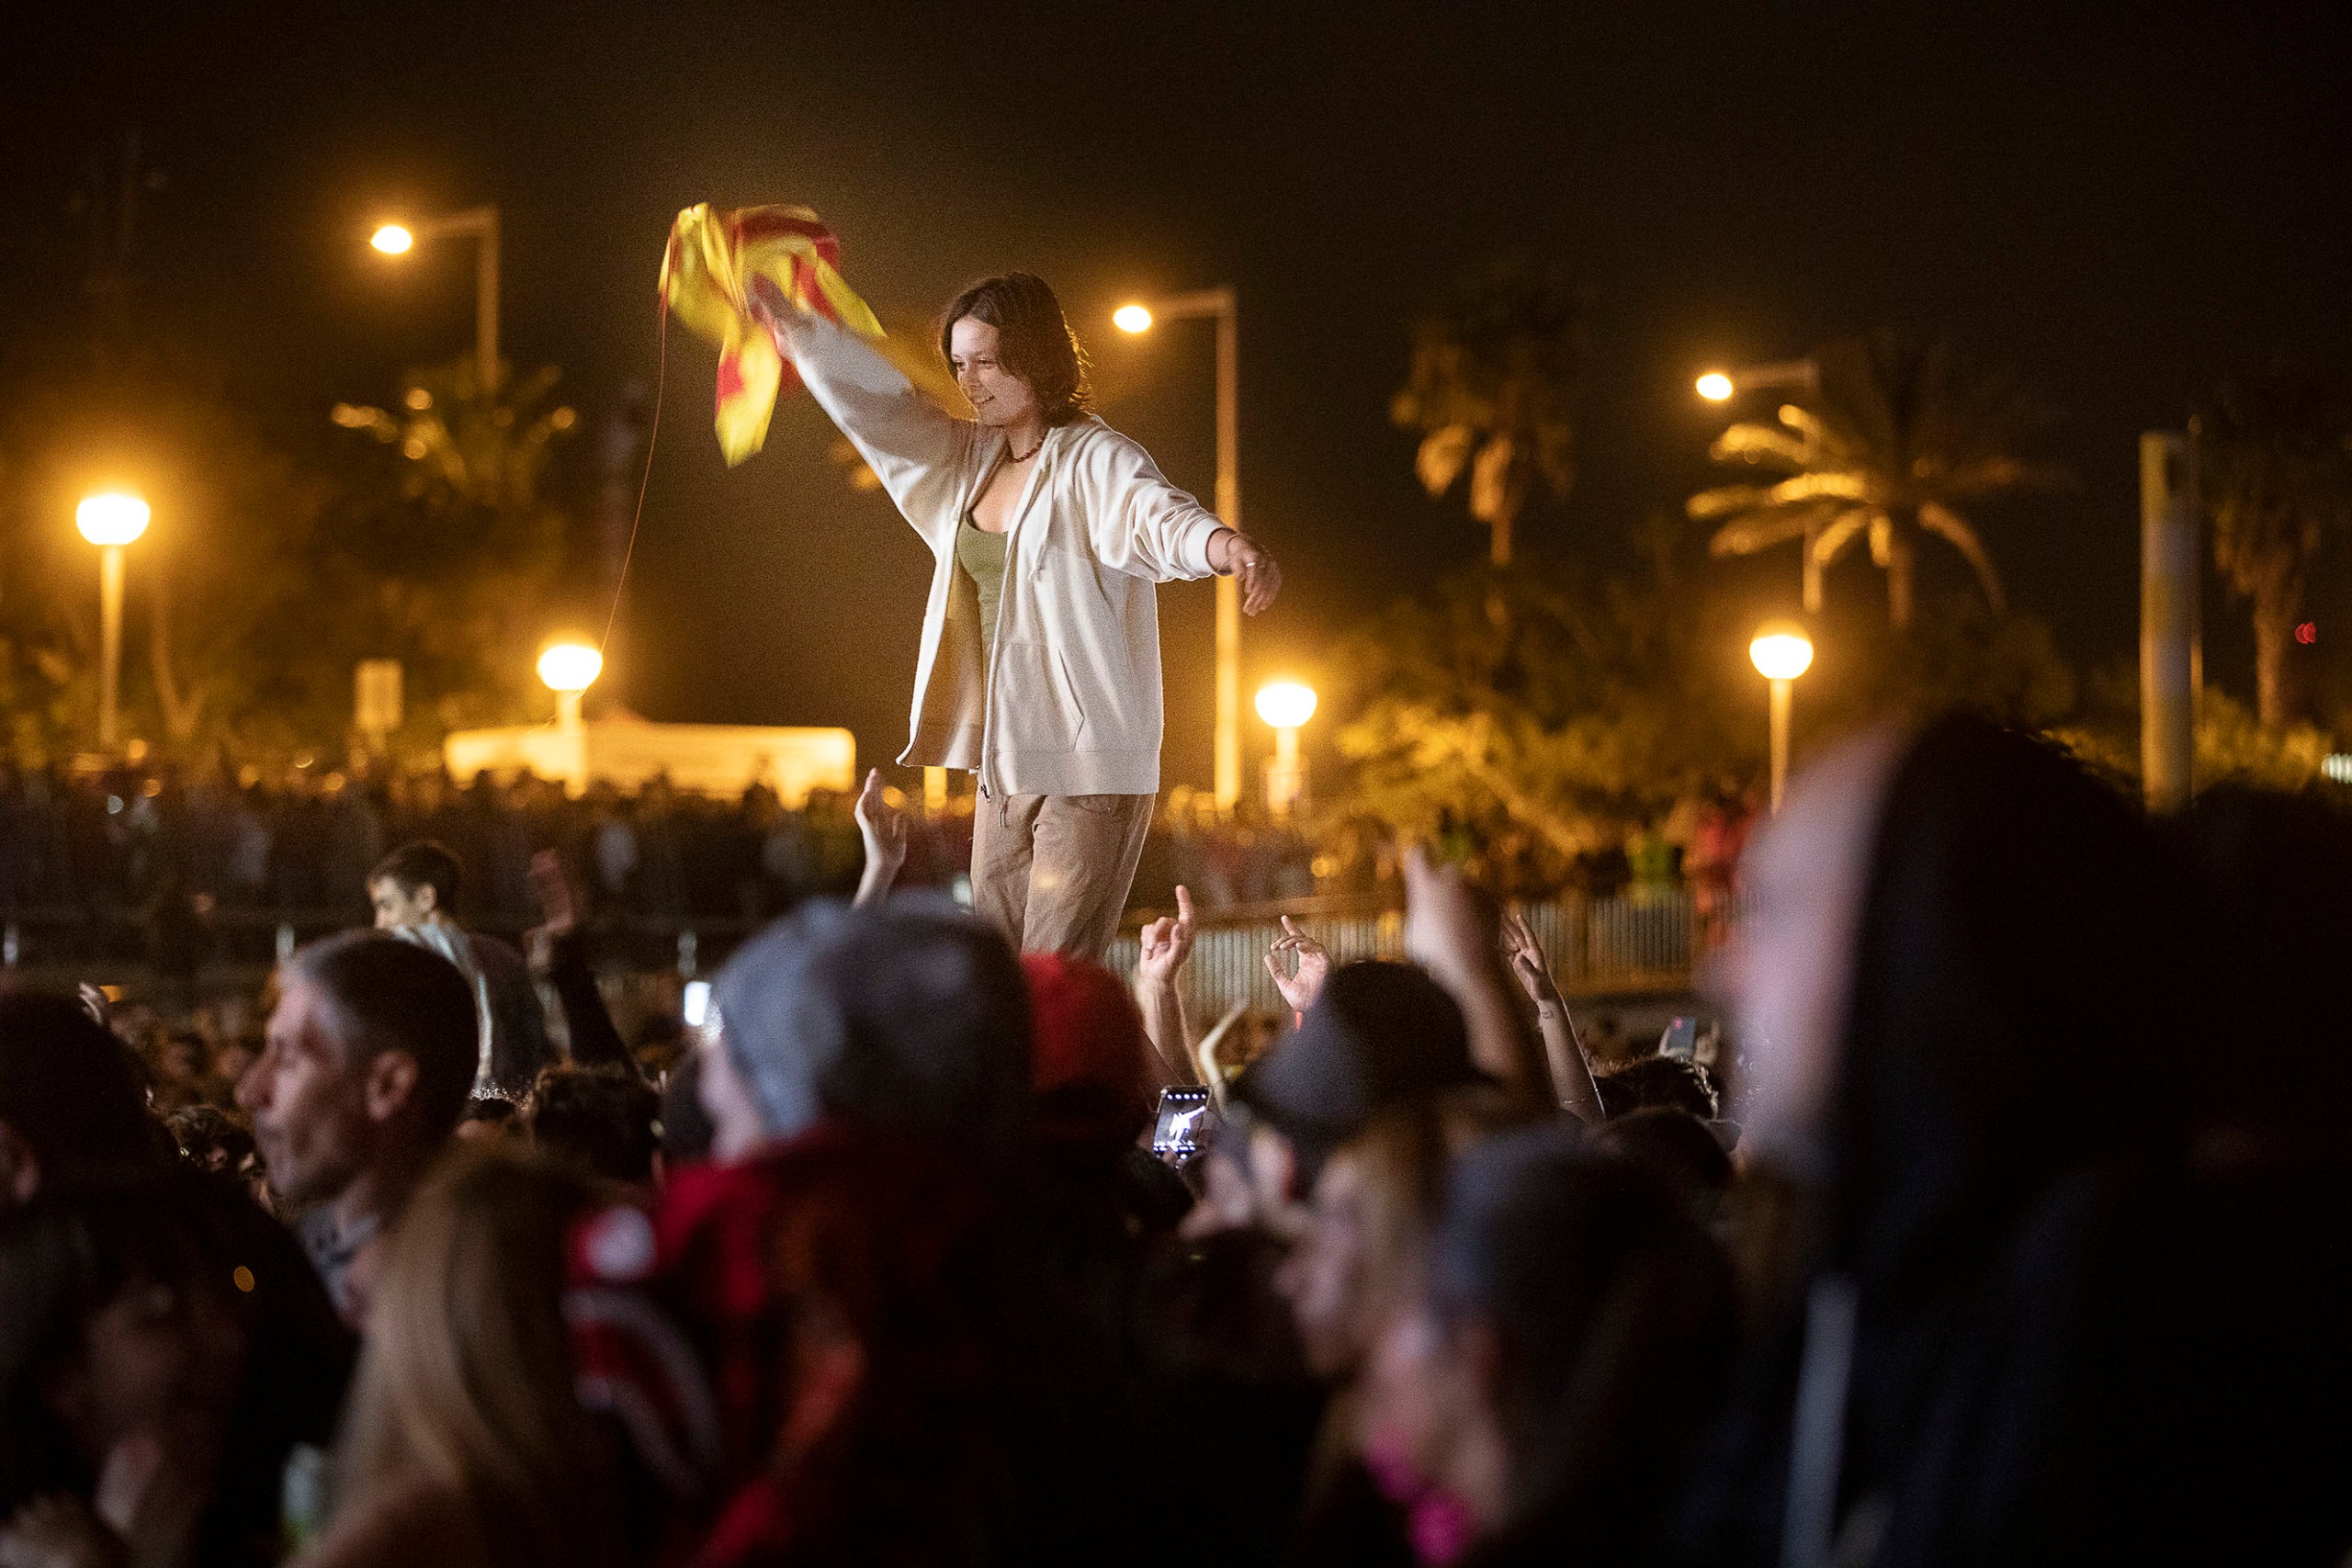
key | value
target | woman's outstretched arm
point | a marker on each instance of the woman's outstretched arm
(915, 447)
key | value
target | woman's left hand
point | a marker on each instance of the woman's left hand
(1260, 578)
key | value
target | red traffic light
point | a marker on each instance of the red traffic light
(2307, 633)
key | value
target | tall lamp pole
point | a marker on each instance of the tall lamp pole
(110, 522)
(1221, 305)
(1285, 705)
(479, 223)
(1780, 653)
(569, 669)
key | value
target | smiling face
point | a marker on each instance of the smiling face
(998, 398)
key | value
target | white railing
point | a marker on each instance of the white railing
(1594, 944)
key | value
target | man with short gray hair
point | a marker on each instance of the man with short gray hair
(368, 1059)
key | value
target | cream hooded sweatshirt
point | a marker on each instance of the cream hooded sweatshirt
(1069, 700)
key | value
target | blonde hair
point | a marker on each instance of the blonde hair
(464, 1388)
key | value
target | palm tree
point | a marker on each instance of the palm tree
(2275, 470)
(1492, 391)
(1900, 439)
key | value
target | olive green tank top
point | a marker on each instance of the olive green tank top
(981, 555)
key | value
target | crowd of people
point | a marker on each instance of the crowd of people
(185, 869)
(2005, 1227)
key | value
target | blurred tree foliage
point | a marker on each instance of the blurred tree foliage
(1601, 700)
(279, 557)
(2274, 468)
(1497, 367)
(447, 542)
(2232, 745)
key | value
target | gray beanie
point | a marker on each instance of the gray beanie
(912, 1018)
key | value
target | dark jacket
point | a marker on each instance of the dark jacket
(2065, 1334)
(518, 1035)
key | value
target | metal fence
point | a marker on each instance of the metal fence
(1595, 945)
(1646, 943)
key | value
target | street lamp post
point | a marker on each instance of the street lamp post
(1782, 375)
(1285, 705)
(1780, 653)
(110, 522)
(480, 223)
(569, 669)
(1221, 305)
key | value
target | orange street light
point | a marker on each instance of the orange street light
(568, 669)
(571, 667)
(110, 521)
(1780, 653)
(479, 223)
(1132, 318)
(1783, 375)
(1286, 706)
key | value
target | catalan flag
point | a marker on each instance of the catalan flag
(713, 256)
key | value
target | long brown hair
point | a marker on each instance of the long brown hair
(465, 1390)
(1033, 340)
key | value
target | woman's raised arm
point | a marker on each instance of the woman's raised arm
(916, 448)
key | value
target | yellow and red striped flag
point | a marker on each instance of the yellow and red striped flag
(707, 271)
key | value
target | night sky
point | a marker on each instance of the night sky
(2113, 210)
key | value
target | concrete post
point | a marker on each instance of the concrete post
(2171, 654)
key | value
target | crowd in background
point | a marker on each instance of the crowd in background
(183, 870)
(2004, 1226)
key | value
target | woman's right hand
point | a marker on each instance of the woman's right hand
(766, 304)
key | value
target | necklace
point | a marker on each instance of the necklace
(1025, 456)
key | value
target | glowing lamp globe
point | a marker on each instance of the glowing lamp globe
(1781, 652)
(1285, 704)
(1131, 318)
(571, 667)
(393, 239)
(111, 519)
(1714, 386)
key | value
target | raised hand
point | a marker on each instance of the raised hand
(558, 912)
(1451, 924)
(1167, 942)
(1311, 965)
(883, 826)
(1527, 959)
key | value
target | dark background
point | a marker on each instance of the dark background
(2115, 204)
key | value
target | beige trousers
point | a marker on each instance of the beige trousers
(1052, 871)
